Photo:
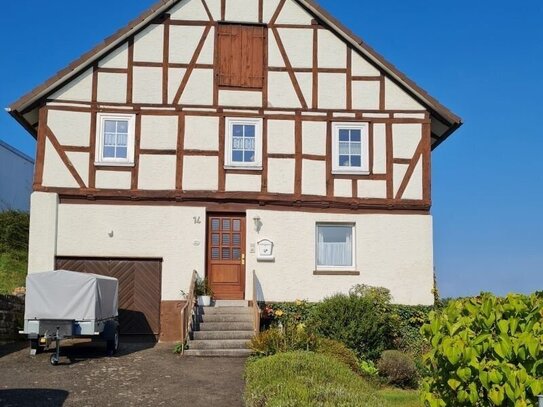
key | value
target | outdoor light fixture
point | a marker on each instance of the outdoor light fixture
(258, 223)
(111, 233)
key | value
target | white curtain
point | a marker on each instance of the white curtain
(330, 251)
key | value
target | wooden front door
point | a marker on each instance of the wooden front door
(226, 256)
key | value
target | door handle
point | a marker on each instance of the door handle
(243, 259)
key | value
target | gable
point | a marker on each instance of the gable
(145, 41)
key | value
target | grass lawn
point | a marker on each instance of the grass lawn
(400, 398)
(300, 379)
(12, 270)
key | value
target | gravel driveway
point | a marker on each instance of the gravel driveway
(142, 374)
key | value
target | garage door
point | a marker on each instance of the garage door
(139, 289)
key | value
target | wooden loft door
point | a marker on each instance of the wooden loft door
(226, 256)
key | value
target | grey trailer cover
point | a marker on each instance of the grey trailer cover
(67, 295)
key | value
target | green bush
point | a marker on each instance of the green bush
(305, 379)
(367, 367)
(13, 250)
(361, 320)
(14, 227)
(340, 352)
(407, 331)
(398, 368)
(486, 351)
(297, 312)
(288, 338)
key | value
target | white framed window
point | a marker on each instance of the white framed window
(115, 139)
(243, 143)
(335, 246)
(350, 148)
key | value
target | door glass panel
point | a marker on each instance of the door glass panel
(226, 254)
(236, 254)
(215, 253)
(236, 225)
(226, 224)
(215, 224)
(236, 239)
(215, 239)
(226, 239)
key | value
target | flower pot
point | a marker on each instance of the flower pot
(204, 301)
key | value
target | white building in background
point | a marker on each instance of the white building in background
(234, 138)
(16, 174)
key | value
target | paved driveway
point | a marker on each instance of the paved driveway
(140, 375)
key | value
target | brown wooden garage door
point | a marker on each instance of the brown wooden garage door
(139, 289)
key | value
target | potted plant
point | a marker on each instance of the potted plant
(203, 292)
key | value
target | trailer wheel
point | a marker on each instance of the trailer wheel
(112, 345)
(54, 359)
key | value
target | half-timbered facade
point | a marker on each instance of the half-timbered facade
(232, 137)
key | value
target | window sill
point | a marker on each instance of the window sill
(336, 273)
(351, 172)
(113, 164)
(242, 168)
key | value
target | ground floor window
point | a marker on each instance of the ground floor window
(335, 246)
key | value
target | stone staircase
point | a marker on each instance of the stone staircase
(223, 330)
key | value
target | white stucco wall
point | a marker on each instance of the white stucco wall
(202, 133)
(169, 233)
(408, 274)
(55, 172)
(112, 87)
(157, 172)
(70, 128)
(194, 168)
(159, 132)
(79, 89)
(147, 86)
(281, 136)
(42, 243)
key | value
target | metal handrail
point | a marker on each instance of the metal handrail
(187, 312)
(256, 307)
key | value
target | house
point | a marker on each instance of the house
(16, 172)
(232, 137)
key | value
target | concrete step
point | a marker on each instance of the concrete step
(225, 318)
(214, 353)
(231, 303)
(219, 344)
(225, 326)
(214, 335)
(224, 310)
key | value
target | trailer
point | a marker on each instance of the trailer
(64, 304)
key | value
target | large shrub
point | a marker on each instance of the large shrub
(362, 320)
(486, 351)
(13, 250)
(409, 320)
(305, 379)
(14, 231)
(340, 352)
(398, 368)
(290, 337)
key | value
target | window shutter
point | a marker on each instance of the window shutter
(241, 56)
(225, 55)
(255, 56)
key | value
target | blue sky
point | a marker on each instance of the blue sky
(483, 59)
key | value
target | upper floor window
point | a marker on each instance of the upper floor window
(335, 246)
(244, 143)
(115, 139)
(350, 148)
(241, 56)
